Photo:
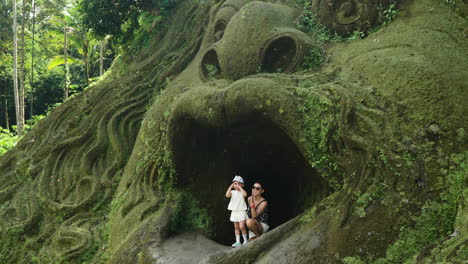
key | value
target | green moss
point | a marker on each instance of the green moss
(309, 215)
(310, 25)
(319, 125)
(315, 57)
(374, 194)
(353, 260)
(189, 215)
(432, 226)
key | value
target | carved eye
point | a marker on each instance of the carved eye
(347, 12)
(210, 66)
(280, 55)
(219, 28)
(346, 16)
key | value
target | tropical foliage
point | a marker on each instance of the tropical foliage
(67, 45)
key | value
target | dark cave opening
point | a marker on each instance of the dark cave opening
(207, 159)
(210, 66)
(280, 55)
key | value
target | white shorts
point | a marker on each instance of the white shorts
(265, 229)
(238, 216)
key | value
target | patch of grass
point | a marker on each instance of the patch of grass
(314, 58)
(7, 140)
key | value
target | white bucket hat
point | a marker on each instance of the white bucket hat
(238, 179)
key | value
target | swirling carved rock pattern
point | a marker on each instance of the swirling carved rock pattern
(56, 187)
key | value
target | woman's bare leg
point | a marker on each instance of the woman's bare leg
(255, 227)
(259, 228)
(251, 225)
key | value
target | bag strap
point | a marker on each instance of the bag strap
(260, 203)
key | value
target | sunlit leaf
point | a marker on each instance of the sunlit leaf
(59, 60)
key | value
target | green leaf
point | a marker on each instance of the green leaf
(59, 60)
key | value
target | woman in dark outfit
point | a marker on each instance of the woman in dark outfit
(257, 212)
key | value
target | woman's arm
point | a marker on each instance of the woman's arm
(259, 211)
(228, 192)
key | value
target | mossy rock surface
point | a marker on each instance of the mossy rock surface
(349, 152)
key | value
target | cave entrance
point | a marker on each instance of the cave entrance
(207, 159)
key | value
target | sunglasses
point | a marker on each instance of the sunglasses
(256, 188)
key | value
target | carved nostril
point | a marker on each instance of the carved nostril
(210, 65)
(279, 55)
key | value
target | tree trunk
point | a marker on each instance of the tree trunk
(19, 128)
(22, 73)
(31, 95)
(101, 59)
(85, 57)
(5, 104)
(67, 70)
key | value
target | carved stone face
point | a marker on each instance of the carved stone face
(241, 114)
(252, 37)
(237, 118)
